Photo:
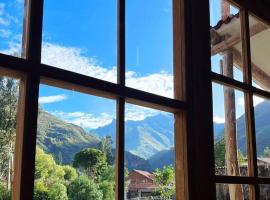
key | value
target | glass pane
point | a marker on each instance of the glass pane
(80, 36)
(232, 191)
(149, 46)
(75, 145)
(226, 46)
(149, 153)
(264, 192)
(11, 27)
(260, 51)
(261, 113)
(9, 92)
(229, 131)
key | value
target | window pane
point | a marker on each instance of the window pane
(260, 51)
(232, 191)
(9, 92)
(75, 145)
(11, 27)
(80, 36)
(264, 192)
(226, 46)
(261, 113)
(229, 131)
(149, 46)
(149, 153)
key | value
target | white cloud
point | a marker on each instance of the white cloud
(5, 33)
(84, 120)
(218, 119)
(138, 113)
(256, 100)
(72, 59)
(2, 8)
(52, 99)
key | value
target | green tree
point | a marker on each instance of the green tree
(105, 146)
(92, 161)
(41, 192)
(8, 110)
(266, 152)
(83, 188)
(4, 193)
(220, 151)
(58, 192)
(70, 173)
(107, 189)
(165, 181)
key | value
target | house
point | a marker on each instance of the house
(141, 184)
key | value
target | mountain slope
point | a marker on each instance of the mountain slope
(62, 139)
(262, 124)
(144, 138)
(162, 158)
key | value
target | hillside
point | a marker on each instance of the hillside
(262, 124)
(162, 158)
(144, 138)
(62, 139)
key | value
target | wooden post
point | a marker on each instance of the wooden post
(236, 191)
(225, 9)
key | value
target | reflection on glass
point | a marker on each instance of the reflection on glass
(9, 89)
(11, 27)
(229, 131)
(259, 38)
(226, 46)
(75, 146)
(149, 46)
(232, 191)
(149, 153)
(80, 36)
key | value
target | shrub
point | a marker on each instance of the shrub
(5, 194)
(41, 191)
(106, 188)
(84, 189)
(58, 192)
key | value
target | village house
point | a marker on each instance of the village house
(141, 184)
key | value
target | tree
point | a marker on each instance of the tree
(8, 110)
(266, 152)
(92, 161)
(105, 146)
(70, 173)
(58, 192)
(219, 147)
(165, 181)
(107, 189)
(41, 192)
(4, 193)
(84, 189)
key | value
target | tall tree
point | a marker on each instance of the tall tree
(105, 146)
(92, 161)
(8, 111)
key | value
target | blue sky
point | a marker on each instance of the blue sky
(81, 36)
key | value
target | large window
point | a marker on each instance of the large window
(239, 49)
(101, 102)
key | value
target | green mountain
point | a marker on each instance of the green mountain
(145, 138)
(262, 125)
(162, 158)
(62, 139)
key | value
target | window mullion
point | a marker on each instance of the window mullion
(32, 51)
(120, 112)
(249, 109)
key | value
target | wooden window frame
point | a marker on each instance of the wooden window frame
(32, 73)
(192, 105)
(247, 8)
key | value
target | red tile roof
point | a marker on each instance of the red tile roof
(144, 173)
(226, 21)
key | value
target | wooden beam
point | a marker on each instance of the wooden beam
(236, 191)
(259, 76)
(232, 41)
